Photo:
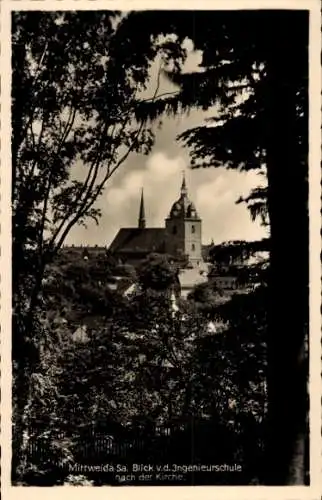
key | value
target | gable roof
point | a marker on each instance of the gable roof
(137, 240)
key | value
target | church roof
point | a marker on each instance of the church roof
(139, 240)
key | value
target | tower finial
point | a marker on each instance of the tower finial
(141, 222)
(183, 185)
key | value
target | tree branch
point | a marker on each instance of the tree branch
(160, 96)
(66, 132)
(85, 207)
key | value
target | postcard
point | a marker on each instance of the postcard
(160, 249)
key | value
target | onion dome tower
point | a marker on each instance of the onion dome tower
(183, 228)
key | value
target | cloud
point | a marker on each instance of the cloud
(222, 218)
(160, 178)
(161, 82)
(214, 192)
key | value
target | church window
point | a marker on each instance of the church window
(192, 229)
(193, 247)
(174, 230)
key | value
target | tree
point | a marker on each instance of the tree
(62, 392)
(280, 105)
(158, 272)
(205, 298)
(75, 88)
(134, 371)
(234, 366)
(255, 72)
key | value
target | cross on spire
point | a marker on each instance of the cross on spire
(184, 190)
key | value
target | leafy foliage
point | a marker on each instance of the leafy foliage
(158, 272)
(142, 366)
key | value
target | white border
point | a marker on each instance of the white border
(127, 5)
(185, 492)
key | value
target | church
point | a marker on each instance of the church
(180, 237)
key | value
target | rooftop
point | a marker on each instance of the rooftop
(139, 240)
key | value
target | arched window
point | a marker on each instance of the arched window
(193, 247)
(193, 229)
(174, 230)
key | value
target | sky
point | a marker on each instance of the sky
(213, 190)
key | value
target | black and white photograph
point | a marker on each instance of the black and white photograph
(161, 304)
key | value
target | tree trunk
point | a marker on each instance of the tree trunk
(25, 359)
(288, 305)
(20, 396)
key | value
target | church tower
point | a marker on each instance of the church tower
(183, 228)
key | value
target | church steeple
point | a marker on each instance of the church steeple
(183, 228)
(141, 222)
(184, 190)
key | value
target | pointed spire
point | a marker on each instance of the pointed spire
(141, 223)
(184, 190)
